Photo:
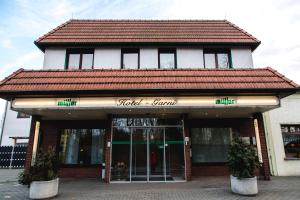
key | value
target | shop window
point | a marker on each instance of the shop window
(130, 58)
(291, 141)
(217, 59)
(80, 59)
(81, 146)
(210, 145)
(167, 58)
(22, 115)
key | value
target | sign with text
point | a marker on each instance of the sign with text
(145, 102)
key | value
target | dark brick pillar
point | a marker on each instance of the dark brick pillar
(265, 168)
(188, 161)
(30, 143)
(108, 136)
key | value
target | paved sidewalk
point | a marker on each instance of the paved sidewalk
(8, 175)
(203, 188)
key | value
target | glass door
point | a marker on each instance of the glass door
(147, 150)
(156, 154)
(139, 159)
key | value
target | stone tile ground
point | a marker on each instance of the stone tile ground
(202, 188)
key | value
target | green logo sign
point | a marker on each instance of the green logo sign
(67, 102)
(225, 101)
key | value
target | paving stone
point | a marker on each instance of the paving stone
(202, 188)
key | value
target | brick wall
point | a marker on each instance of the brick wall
(265, 168)
(81, 172)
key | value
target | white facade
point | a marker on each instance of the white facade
(190, 58)
(288, 113)
(241, 58)
(13, 126)
(54, 58)
(107, 59)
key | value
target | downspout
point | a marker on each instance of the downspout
(3, 121)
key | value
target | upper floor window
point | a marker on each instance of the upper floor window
(291, 140)
(216, 59)
(130, 59)
(80, 59)
(167, 58)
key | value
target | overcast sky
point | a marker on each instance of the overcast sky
(274, 22)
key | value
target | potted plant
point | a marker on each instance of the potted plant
(242, 162)
(42, 177)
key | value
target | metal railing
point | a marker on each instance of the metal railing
(13, 157)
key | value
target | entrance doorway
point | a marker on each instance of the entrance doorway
(148, 150)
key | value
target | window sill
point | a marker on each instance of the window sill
(288, 159)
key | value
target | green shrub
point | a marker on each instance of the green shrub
(242, 159)
(45, 168)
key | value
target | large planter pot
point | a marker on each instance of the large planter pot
(43, 189)
(244, 186)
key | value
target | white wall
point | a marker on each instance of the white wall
(148, 58)
(288, 113)
(241, 58)
(14, 126)
(54, 59)
(107, 59)
(189, 58)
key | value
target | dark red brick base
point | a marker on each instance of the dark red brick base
(81, 172)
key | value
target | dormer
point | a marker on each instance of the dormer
(140, 44)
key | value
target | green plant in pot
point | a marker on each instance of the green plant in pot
(242, 163)
(42, 177)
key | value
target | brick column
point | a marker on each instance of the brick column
(30, 143)
(265, 168)
(187, 153)
(108, 136)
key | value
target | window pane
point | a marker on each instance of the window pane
(69, 146)
(81, 146)
(85, 143)
(130, 61)
(210, 144)
(291, 140)
(223, 61)
(210, 60)
(74, 60)
(87, 61)
(97, 146)
(167, 60)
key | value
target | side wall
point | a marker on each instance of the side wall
(14, 126)
(288, 113)
(54, 58)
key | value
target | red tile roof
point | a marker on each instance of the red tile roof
(30, 81)
(147, 31)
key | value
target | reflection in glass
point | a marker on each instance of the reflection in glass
(167, 60)
(223, 61)
(210, 60)
(81, 146)
(210, 144)
(87, 61)
(130, 60)
(174, 145)
(74, 61)
(291, 140)
(120, 154)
